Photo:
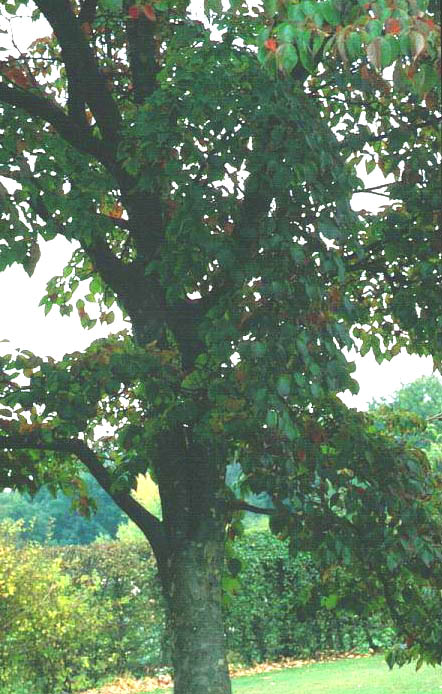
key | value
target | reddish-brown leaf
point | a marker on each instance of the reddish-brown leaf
(271, 45)
(86, 28)
(149, 12)
(17, 76)
(392, 26)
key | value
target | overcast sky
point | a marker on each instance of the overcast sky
(24, 323)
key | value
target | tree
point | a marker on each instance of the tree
(206, 182)
(51, 519)
(418, 407)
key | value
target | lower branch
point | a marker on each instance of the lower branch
(149, 524)
(39, 107)
(244, 506)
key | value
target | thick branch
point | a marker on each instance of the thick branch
(141, 297)
(88, 11)
(39, 107)
(148, 523)
(85, 81)
(141, 54)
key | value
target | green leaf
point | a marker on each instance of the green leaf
(330, 601)
(425, 79)
(295, 13)
(370, 165)
(271, 7)
(303, 44)
(374, 27)
(259, 349)
(95, 285)
(392, 561)
(405, 43)
(263, 36)
(213, 6)
(329, 229)
(111, 5)
(30, 263)
(272, 419)
(419, 663)
(287, 57)
(286, 32)
(309, 8)
(353, 44)
(380, 52)
(230, 585)
(287, 427)
(329, 12)
(283, 385)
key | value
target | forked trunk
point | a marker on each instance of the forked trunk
(196, 620)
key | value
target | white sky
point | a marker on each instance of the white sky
(24, 323)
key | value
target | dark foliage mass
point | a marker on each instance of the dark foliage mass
(205, 180)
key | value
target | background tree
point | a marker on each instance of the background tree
(50, 519)
(206, 186)
(423, 399)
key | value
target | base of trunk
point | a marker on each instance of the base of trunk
(195, 612)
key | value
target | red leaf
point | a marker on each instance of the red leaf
(134, 12)
(271, 45)
(116, 211)
(18, 77)
(392, 26)
(429, 22)
(149, 12)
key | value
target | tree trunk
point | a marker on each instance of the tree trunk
(191, 484)
(196, 620)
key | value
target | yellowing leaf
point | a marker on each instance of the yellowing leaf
(374, 53)
(417, 43)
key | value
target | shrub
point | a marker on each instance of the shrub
(132, 638)
(47, 624)
(280, 608)
(72, 615)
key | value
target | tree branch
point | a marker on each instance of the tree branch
(239, 505)
(88, 11)
(39, 107)
(85, 81)
(119, 276)
(141, 55)
(147, 522)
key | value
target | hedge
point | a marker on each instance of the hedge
(105, 615)
(279, 609)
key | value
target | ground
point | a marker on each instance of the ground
(148, 684)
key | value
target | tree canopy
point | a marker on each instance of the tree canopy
(205, 181)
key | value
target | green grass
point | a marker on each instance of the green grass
(358, 676)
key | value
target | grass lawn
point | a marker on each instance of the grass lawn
(360, 676)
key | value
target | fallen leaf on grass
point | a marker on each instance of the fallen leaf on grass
(148, 684)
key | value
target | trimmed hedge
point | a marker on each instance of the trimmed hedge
(106, 614)
(279, 609)
(127, 584)
(47, 622)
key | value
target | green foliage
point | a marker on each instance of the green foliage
(100, 608)
(418, 410)
(206, 187)
(47, 623)
(131, 638)
(51, 520)
(282, 607)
